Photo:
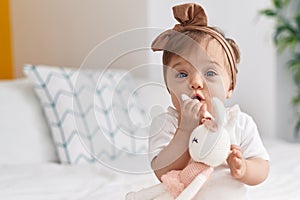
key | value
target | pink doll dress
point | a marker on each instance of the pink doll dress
(177, 180)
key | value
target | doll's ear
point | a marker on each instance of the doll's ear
(219, 110)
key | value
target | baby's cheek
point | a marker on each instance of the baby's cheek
(175, 101)
(216, 89)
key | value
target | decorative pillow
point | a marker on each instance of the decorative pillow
(93, 115)
(25, 135)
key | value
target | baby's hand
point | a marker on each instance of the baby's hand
(236, 162)
(190, 114)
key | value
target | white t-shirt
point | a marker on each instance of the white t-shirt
(243, 132)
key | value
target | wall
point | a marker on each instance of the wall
(6, 68)
(285, 113)
(286, 88)
(240, 20)
(63, 32)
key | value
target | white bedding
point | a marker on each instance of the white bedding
(56, 182)
(284, 180)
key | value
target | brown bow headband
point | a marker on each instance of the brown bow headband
(192, 17)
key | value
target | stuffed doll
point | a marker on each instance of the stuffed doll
(208, 148)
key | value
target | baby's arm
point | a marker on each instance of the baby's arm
(175, 155)
(250, 171)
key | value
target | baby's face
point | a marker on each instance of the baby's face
(206, 79)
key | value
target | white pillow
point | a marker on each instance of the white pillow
(25, 136)
(89, 113)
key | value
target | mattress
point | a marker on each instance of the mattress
(52, 181)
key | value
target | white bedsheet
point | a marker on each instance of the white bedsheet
(57, 182)
(284, 180)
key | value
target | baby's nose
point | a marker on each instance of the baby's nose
(196, 82)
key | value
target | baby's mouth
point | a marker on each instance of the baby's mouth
(198, 97)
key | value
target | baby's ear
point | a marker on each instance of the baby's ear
(229, 93)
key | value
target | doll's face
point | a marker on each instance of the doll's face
(207, 77)
(211, 147)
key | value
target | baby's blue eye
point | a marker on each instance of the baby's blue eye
(210, 73)
(182, 75)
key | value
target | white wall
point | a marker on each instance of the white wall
(63, 32)
(240, 20)
(286, 89)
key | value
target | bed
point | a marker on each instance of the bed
(283, 181)
(33, 167)
(55, 181)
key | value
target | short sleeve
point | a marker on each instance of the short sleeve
(162, 131)
(251, 143)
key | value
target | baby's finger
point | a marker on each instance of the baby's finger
(203, 110)
(184, 104)
(233, 146)
(230, 159)
(237, 163)
(237, 153)
(237, 173)
(196, 108)
(188, 104)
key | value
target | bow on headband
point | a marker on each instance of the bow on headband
(192, 17)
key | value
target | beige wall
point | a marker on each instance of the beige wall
(63, 32)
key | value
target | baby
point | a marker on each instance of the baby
(201, 63)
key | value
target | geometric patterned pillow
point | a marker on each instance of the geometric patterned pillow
(94, 115)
